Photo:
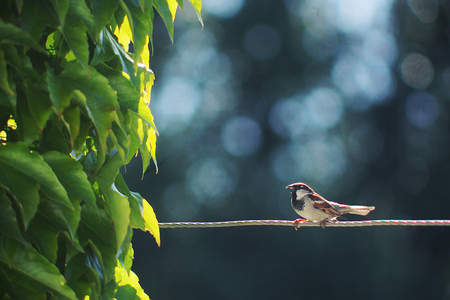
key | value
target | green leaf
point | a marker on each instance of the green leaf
(36, 14)
(80, 11)
(126, 292)
(197, 4)
(71, 175)
(24, 173)
(127, 95)
(149, 217)
(71, 118)
(136, 217)
(83, 279)
(27, 128)
(101, 100)
(162, 7)
(129, 287)
(98, 227)
(85, 127)
(8, 220)
(119, 208)
(140, 20)
(103, 11)
(24, 189)
(60, 7)
(38, 101)
(29, 275)
(60, 92)
(44, 236)
(74, 32)
(15, 35)
(60, 217)
(4, 84)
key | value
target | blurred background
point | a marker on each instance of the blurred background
(350, 97)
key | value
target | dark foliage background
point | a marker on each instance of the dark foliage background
(351, 97)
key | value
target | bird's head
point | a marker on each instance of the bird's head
(293, 187)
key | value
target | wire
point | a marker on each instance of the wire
(305, 224)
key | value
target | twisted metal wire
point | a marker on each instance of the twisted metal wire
(305, 224)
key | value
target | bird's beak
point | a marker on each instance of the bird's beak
(289, 187)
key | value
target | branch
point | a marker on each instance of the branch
(305, 224)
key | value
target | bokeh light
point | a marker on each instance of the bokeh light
(417, 71)
(241, 136)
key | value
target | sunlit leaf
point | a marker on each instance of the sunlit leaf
(140, 29)
(124, 33)
(197, 4)
(129, 287)
(162, 6)
(173, 5)
(150, 221)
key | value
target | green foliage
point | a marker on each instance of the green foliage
(73, 111)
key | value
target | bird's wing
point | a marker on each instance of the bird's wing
(324, 205)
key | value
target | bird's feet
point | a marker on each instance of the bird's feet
(297, 222)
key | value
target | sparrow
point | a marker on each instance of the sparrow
(313, 207)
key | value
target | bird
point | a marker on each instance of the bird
(313, 207)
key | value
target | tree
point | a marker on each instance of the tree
(73, 110)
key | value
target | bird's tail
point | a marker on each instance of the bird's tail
(356, 209)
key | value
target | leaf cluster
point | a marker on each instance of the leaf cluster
(73, 110)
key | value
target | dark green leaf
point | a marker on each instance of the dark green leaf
(24, 173)
(71, 118)
(74, 32)
(71, 175)
(60, 217)
(4, 84)
(8, 220)
(126, 292)
(38, 101)
(101, 99)
(15, 35)
(44, 236)
(27, 127)
(60, 92)
(98, 227)
(36, 14)
(80, 10)
(103, 11)
(29, 275)
(83, 279)
(127, 95)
